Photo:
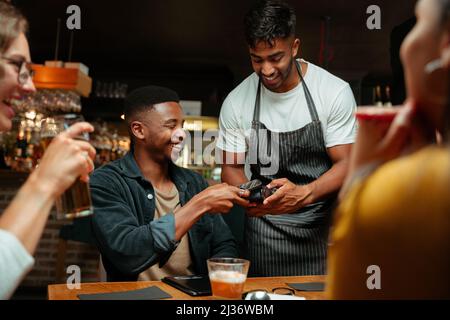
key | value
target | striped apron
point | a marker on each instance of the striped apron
(295, 243)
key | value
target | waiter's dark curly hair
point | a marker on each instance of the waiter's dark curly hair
(268, 20)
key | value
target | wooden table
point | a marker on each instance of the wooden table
(61, 292)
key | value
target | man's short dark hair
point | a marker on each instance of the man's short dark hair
(145, 98)
(268, 20)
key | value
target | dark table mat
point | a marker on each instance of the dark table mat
(149, 293)
(308, 286)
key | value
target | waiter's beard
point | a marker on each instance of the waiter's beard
(283, 75)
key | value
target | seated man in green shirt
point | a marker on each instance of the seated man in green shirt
(152, 218)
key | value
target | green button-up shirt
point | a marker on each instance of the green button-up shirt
(123, 224)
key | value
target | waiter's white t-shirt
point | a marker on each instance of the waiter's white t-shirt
(288, 111)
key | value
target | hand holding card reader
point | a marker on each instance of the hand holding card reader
(193, 285)
(258, 191)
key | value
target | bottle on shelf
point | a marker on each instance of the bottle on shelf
(21, 148)
(388, 102)
(377, 99)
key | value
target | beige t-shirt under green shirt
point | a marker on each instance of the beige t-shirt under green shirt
(180, 262)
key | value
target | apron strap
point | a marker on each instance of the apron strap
(257, 101)
(309, 100)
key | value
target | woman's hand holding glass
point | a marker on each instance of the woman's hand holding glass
(381, 139)
(66, 159)
(382, 136)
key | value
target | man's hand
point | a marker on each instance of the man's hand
(220, 198)
(287, 199)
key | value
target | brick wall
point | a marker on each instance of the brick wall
(46, 255)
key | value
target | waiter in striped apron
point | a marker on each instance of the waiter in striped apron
(295, 128)
(292, 243)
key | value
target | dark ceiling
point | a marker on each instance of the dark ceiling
(201, 41)
(137, 32)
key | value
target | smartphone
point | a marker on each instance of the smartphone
(258, 191)
(195, 285)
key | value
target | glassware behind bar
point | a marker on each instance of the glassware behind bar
(76, 201)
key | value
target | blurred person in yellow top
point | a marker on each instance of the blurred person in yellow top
(391, 232)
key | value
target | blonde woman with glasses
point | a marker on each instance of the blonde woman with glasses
(23, 221)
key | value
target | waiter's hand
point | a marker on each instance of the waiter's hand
(287, 199)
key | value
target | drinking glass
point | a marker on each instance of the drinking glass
(76, 201)
(227, 277)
